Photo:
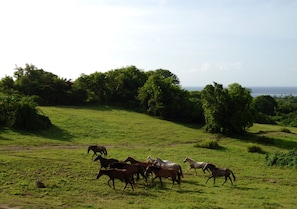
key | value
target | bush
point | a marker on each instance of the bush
(285, 130)
(255, 149)
(209, 144)
(282, 159)
(21, 113)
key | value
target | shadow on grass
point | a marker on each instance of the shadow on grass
(53, 132)
(261, 138)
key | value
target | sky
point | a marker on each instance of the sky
(250, 42)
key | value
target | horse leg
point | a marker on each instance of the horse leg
(225, 180)
(161, 181)
(208, 179)
(230, 180)
(188, 169)
(195, 171)
(108, 182)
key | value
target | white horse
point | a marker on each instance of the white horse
(164, 164)
(195, 165)
(152, 160)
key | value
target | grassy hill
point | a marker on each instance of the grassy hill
(58, 157)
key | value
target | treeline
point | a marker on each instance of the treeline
(156, 92)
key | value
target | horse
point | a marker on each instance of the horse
(163, 164)
(121, 174)
(133, 168)
(165, 173)
(133, 161)
(219, 172)
(152, 160)
(95, 149)
(105, 162)
(195, 165)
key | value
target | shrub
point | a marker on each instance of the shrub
(209, 144)
(285, 130)
(255, 149)
(21, 113)
(282, 159)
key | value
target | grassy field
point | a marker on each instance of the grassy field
(58, 157)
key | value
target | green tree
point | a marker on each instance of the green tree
(123, 85)
(161, 96)
(227, 111)
(96, 86)
(50, 89)
(265, 104)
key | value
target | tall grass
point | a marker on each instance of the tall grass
(58, 158)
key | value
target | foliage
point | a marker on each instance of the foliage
(255, 149)
(161, 96)
(21, 113)
(227, 111)
(282, 159)
(265, 104)
(209, 144)
(50, 89)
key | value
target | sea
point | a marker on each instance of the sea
(258, 91)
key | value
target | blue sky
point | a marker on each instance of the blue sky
(250, 42)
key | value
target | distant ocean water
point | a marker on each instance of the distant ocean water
(258, 91)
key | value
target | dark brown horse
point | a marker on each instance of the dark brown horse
(165, 173)
(133, 161)
(219, 172)
(121, 174)
(95, 149)
(105, 162)
(133, 168)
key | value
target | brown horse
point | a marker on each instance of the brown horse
(165, 173)
(133, 161)
(105, 162)
(219, 172)
(121, 174)
(133, 168)
(95, 149)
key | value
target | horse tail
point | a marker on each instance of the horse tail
(181, 172)
(105, 151)
(233, 175)
(178, 177)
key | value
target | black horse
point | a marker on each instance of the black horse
(219, 172)
(95, 149)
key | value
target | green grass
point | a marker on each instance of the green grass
(58, 157)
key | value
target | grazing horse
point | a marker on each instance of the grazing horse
(163, 164)
(133, 168)
(219, 172)
(121, 174)
(105, 162)
(95, 149)
(165, 173)
(195, 165)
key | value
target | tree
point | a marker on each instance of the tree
(227, 110)
(123, 85)
(265, 104)
(162, 97)
(50, 89)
